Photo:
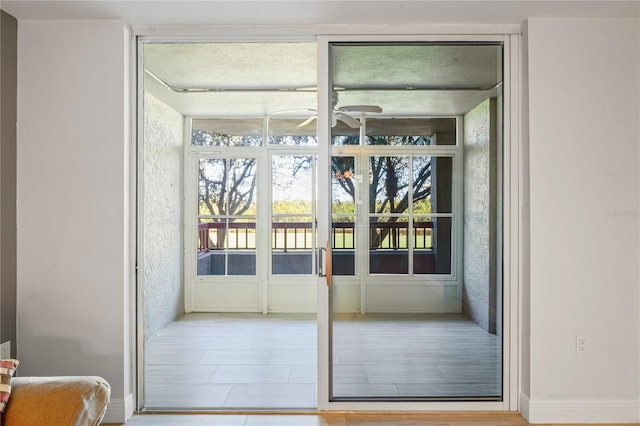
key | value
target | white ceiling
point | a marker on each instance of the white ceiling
(200, 66)
(256, 79)
(305, 12)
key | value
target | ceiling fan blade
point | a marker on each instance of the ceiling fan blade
(307, 121)
(360, 108)
(348, 120)
(294, 112)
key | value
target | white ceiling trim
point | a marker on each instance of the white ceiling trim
(195, 33)
(315, 12)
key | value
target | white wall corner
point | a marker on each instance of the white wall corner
(524, 407)
(580, 411)
(119, 410)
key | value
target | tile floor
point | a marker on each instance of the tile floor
(254, 361)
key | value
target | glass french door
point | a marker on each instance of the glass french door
(414, 294)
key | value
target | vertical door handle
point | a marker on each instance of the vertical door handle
(324, 263)
(321, 257)
(327, 264)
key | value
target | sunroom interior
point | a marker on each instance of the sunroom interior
(230, 205)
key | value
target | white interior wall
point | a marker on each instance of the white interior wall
(584, 106)
(74, 291)
(576, 286)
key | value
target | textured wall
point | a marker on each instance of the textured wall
(479, 288)
(163, 188)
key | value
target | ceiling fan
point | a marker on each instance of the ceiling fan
(342, 113)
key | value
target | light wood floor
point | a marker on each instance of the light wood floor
(334, 419)
(254, 361)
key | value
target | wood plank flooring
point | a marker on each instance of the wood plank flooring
(335, 419)
(255, 361)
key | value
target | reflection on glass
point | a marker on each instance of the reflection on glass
(343, 209)
(388, 184)
(293, 234)
(411, 131)
(433, 184)
(290, 131)
(388, 245)
(226, 132)
(396, 345)
(398, 140)
(341, 134)
(343, 183)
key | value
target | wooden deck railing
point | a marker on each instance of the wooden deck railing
(298, 235)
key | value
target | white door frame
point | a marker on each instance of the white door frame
(511, 173)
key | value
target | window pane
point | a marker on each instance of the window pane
(411, 131)
(438, 259)
(291, 184)
(241, 234)
(341, 134)
(290, 131)
(227, 238)
(424, 258)
(343, 185)
(388, 184)
(226, 132)
(212, 194)
(292, 238)
(227, 246)
(422, 233)
(343, 243)
(241, 247)
(432, 184)
(388, 245)
(292, 242)
(227, 186)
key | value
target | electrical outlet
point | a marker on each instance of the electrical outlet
(581, 344)
(5, 350)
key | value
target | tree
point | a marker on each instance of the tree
(388, 182)
(226, 187)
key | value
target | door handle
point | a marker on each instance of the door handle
(322, 254)
(324, 263)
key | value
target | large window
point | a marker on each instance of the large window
(227, 216)
(292, 214)
(399, 182)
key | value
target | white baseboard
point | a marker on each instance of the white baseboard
(580, 411)
(119, 410)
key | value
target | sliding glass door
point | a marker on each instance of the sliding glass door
(365, 180)
(413, 204)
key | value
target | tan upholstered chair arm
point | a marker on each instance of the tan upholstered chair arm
(57, 401)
